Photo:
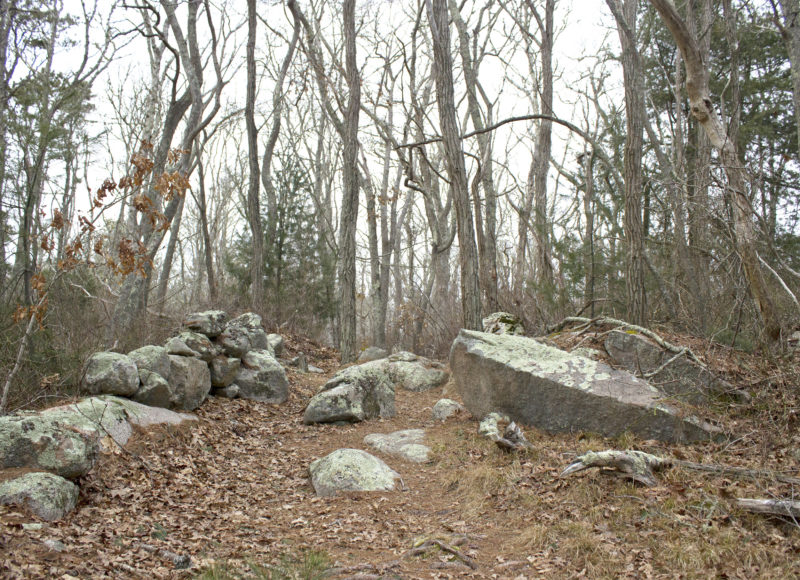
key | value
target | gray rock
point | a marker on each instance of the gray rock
(407, 444)
(586, 352)
(110, 373)
(262, 378)
(176, 347)
(223, 370)
(354, 394)
(66, 440)
(45, 495)
(415, 376)
(211, 322)
(301, 362)
(229, 392)
(154, 391)
(550, 389)
(243, 334)
(151, 358)
(189, 381)
(315, 370)
(275, 343)
(403, 356)
(503, 323)
(55, 545)
(372, 353)
(681, 378)
(446, 408)
(351, 470)
(199, 343)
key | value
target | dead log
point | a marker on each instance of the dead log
(771, 507)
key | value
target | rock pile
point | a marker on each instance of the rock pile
(212, 355)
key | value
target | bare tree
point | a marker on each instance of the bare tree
(438, 19)
(253, 188)
(703, 110)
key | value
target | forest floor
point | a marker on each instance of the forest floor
(233, 493)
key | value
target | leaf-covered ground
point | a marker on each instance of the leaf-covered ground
(234, 491)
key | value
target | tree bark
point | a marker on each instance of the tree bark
(253, 188)
(349, 214)
(625, 15)
(703, 110)
(456, 170)
(790, 30)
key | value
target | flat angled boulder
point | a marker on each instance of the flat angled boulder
(262, 378)
(556, 391)
(408, 444)
(354, 394)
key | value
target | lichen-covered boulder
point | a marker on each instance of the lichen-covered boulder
(211, 322)
(354, 394)
(446, 408)
(415, 376)
(176, 347)
(154, 390)
(275, 343)
(200, 344)
(45, 495)
(223, 370)
(503, 323)
(558, 392)
(372, 353)
(407, 444)
(262, 378)
(189, 380)
(67, 440)
(110, 373)
(243, 334)
(152, 358)
(351, 470)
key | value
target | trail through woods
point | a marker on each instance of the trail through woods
(235, 489)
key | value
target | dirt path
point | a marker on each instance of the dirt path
(235, 489)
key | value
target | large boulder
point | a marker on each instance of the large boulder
(503, 323)
(243, 334)
(545, 387)
(211, 322)
(354, 394)
(681, 378)
(203, 348)
(351, 470)
(407, 444)
(372, 353)
(152, 358)
(154, 390)
(223, 370)
(189, 381)
(416, 375)
(66, 440)
(110, 373)
(45, 495)
(262, 378)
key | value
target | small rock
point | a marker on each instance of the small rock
(229, 392)
(503, 323)
(301, 362)
(189, 380)
(372, 353)
(55, 545)
(446, 408)
(32, 527)
(406, 444)
(315, 370)
(176, 347)
(351, 470)
(275, 343)
(46, 495)
(155, 390)
(211, 323)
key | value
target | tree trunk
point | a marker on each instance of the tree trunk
(253, 193)
(791, 35)
(703, 110)
(456, 170)
(349, 213)
(625, 15)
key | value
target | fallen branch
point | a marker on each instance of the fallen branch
(640, 466)
(427, 544)
(512, 439)
(181, 562)
(771, 507)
